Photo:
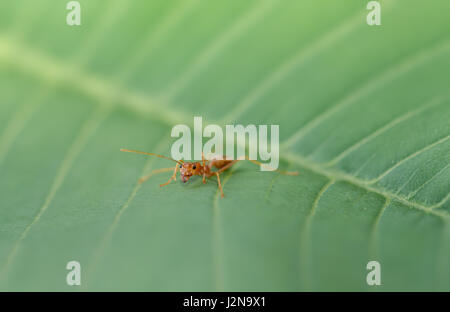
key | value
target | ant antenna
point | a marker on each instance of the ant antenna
(152, 154)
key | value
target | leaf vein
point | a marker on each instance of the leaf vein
(75, 149)
(399, 163)
(373, 240)
(292, 63)
(110, 231)
(391, 73)
(217, 241)
(214, 49)
(382, 130)
(337, 175)
(304, 247)
(428, 181)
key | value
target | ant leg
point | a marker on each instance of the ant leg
(174, 177)
(204, 168)
(220, 185)
(148, 176)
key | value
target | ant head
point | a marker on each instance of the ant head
(188, 169)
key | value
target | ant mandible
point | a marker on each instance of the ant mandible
(203, 168)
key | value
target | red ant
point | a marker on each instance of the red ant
(203, 168)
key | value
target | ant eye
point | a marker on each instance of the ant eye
(181, 166)
(195, 167)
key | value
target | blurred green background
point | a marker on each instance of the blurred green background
(363, 112)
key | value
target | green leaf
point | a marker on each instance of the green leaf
(363, 112)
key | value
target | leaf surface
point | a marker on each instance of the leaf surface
(363, 112)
